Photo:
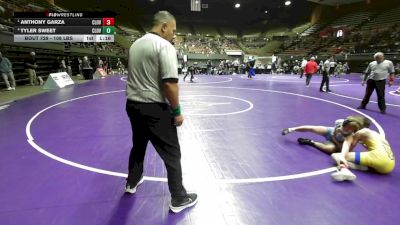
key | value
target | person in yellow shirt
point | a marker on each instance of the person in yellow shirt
(378, 156)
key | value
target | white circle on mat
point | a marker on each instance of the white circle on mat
(250, 105)
(32, 142)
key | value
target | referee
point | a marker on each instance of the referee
(153, 107)
(375, 77)
(325, 75)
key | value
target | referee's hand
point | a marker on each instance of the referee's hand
(178, 120)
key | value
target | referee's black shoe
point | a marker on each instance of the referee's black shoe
(178, 205)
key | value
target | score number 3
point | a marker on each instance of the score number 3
(108, 21)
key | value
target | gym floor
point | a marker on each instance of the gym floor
(64, 156)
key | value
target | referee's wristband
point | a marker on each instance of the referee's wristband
(176, 111)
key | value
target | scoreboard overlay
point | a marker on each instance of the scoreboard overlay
(64, 27)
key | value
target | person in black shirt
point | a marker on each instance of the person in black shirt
(30, 68)
(190, 71)
(209, 67)
(87, 68)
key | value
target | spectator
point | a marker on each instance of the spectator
(63, 66)
(87, 68)
(332, 67)
(30, 68)
(69, 68)
(56, 64)
(80, 66)
(99, 62)
(346, 68)
(6, 72)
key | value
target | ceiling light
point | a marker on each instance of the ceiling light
(266, 11)
(237, 5)
(287, 3)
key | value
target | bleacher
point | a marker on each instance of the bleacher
(229, 32)
(183, 29)
(351, 20)
(205, 30)
(311, 30)
(385, 19)
(310, 41)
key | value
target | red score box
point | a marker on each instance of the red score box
(108, 21)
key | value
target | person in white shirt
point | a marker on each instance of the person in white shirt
(332, 67)
(377, 73)
(303, 66)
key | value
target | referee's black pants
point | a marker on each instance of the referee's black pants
(379, 86)
(153, 122)
(325, 80)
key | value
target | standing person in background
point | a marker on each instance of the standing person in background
(56, 65)
(30, 68)
(273, 68)
(87, 68)
(321, 67)
(338, 69)
(346, 68)
(250, 65)
(69, 68)
(80, 66)
(190, 71)
(120, 66)
(377, 73)
(153, 107)
(105, 65)
(332, 67)
(109, 65)
(6, 72)
(309, 70)
(325, 76)
(236, 64)
(99, 62)
(63, 65)
(209, 67)
(302, 67)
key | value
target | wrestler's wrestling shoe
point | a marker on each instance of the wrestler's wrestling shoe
(343, 174)
(285, 131)
(305, 141)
